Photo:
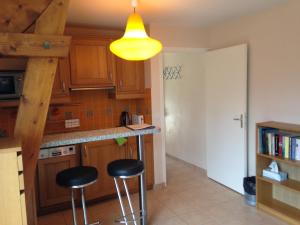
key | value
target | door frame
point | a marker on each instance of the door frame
(158, 111)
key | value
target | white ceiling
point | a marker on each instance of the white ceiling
(113, 13)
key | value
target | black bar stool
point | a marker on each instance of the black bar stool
(78, 178)
(125, 169)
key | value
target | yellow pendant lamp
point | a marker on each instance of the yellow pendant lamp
(135, 44)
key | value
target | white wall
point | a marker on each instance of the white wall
(274, 69)
(185, 108)
(274, 52)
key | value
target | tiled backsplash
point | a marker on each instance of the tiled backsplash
(94, 109)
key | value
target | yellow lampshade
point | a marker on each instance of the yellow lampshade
(135, 43)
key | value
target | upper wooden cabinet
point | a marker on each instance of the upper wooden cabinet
(130, 79)
(60, 90)
(92, 63)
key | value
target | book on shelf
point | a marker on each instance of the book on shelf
(278, 143)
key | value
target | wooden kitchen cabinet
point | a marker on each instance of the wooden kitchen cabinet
(130, 79)
(60, 90)
(49, 192)
(148, 151)
(92, 63)
(99, 154)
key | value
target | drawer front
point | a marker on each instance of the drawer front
(21, 181)
(20, 162)
(23, 209)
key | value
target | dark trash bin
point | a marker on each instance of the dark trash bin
(250, 190)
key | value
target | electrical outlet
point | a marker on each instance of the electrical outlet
(72, 123)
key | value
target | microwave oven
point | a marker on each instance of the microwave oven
(11, 83)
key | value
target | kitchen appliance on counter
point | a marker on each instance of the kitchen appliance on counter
(11, 83)
(59, 151)
(52, 161)
(137, 119)
(124, 119)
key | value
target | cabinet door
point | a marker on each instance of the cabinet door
(130, 79)
(49, 192)
(149, 163)
(60, 90)
(131, 152)
(91, 63)
(99, 154)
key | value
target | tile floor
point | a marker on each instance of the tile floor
(189, 199)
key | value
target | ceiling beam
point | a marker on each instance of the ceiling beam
(34, 45)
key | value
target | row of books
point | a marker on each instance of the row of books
(277, 143)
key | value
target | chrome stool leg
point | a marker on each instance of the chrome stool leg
(129, 201)
(84, 207)
(120, 200)
(73, 207)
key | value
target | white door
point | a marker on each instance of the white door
(226, 108)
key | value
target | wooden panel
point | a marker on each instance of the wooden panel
(18, 15)
(21, 181)
(289, 196)
(18, 44)
(49, 192)
(281, 210)
(23, 209)
(279, 159)
(90, 63)
(281, 126)
(293, 185)
(10, 207)
(20, 162)
(99, 154)
(13, 63)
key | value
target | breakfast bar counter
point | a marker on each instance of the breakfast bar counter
(79, 137)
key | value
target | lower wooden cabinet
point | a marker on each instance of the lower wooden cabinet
(98, 154)
(49, 193)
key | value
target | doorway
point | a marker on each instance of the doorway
(184, 105)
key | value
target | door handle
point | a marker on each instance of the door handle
(241, 119)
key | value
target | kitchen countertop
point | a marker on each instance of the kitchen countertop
(72, 138)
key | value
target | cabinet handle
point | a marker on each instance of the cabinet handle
(85, 152)
(121, 83)
(64, 86)
(110, 75)
(131, 153)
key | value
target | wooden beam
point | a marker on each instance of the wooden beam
(34, 45)
(35, 100)
(17, 15)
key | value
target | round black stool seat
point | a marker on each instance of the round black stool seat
(77, 176)
(125, 168)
